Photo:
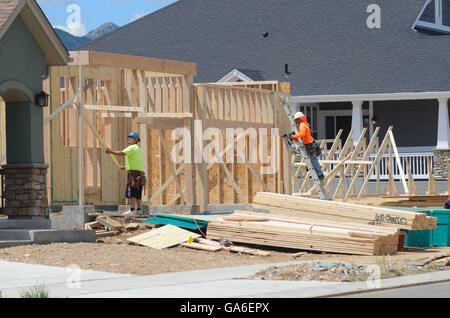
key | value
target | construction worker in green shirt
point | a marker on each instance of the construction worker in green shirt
(135, 174)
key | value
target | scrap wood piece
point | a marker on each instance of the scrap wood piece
(246, 250)
(299, 254)
(200, 246)
(436, 257)
(163, 237)
(208, 242)
(443, 261)
(94, 226)
(109, 223)
(104, 233)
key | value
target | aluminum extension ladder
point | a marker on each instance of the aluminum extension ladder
(297, 147)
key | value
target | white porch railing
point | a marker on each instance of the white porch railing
(417, 163)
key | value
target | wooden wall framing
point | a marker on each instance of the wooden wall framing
(347, 162)
(157, 98)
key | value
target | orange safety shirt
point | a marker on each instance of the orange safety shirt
(304, 132)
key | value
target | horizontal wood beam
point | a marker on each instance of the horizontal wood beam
(166, 115)
(350, 162)
(223, 124)
(255, 90)
(114, 108)
(168, 67)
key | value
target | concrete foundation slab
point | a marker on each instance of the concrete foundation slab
(25, 224)
(5, 244)
(62, 236)
(73, 218)
(68, 228)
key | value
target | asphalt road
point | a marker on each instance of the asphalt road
(436, 290)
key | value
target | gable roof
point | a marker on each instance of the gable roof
(7, 8)
(243, 75)
(327, 44)
(38, 25)
(434, 19)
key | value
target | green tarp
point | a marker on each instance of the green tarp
(186, 223)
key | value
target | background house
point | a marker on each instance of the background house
(28, 46)
(328, 46)
(350, 64)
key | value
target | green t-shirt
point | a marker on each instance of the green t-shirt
(133, 159)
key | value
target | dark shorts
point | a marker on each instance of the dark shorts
(134, 192)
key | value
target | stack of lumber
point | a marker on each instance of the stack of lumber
(298, 233)
(317, 209)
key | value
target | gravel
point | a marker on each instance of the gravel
(117, 255)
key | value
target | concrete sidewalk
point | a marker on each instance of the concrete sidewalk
(215, 283)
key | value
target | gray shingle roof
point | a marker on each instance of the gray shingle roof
(327, 44)
(6, 9)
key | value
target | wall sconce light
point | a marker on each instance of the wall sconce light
(41, 99)
(374, 120)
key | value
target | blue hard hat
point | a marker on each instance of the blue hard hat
(135, 135)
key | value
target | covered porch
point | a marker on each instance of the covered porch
(421, 123)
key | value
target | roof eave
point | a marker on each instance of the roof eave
(12, 17)
(369, 97)
(55, 52)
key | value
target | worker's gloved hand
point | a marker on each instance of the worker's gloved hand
(290, 135)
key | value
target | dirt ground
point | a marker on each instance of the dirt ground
(117, 255)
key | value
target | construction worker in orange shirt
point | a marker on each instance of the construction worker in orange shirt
(312, 149)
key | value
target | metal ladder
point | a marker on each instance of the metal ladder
(297, 147)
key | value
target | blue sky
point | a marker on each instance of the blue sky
(82, 16)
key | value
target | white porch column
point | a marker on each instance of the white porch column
(443, 137)
(371, 128)
(357, 119)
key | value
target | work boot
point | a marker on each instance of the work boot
(321, 177)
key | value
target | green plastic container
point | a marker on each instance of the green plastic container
(437, 237)
(441, 235)
(420, 238)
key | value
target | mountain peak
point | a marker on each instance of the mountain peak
(105, 28)
(72, 42)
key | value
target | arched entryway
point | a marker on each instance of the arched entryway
(24, 138)
(29, 47)
(24, 191)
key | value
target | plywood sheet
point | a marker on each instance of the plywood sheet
(163, 237)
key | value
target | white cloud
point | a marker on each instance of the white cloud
(74, 24)
(137, 15)
(76, 30)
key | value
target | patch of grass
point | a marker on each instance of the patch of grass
(433, 267)
(39, 291)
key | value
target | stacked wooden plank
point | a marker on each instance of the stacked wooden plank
(317, 209)
(297, 233)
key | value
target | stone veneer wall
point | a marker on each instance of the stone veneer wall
(25, 191)
(440, 170)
